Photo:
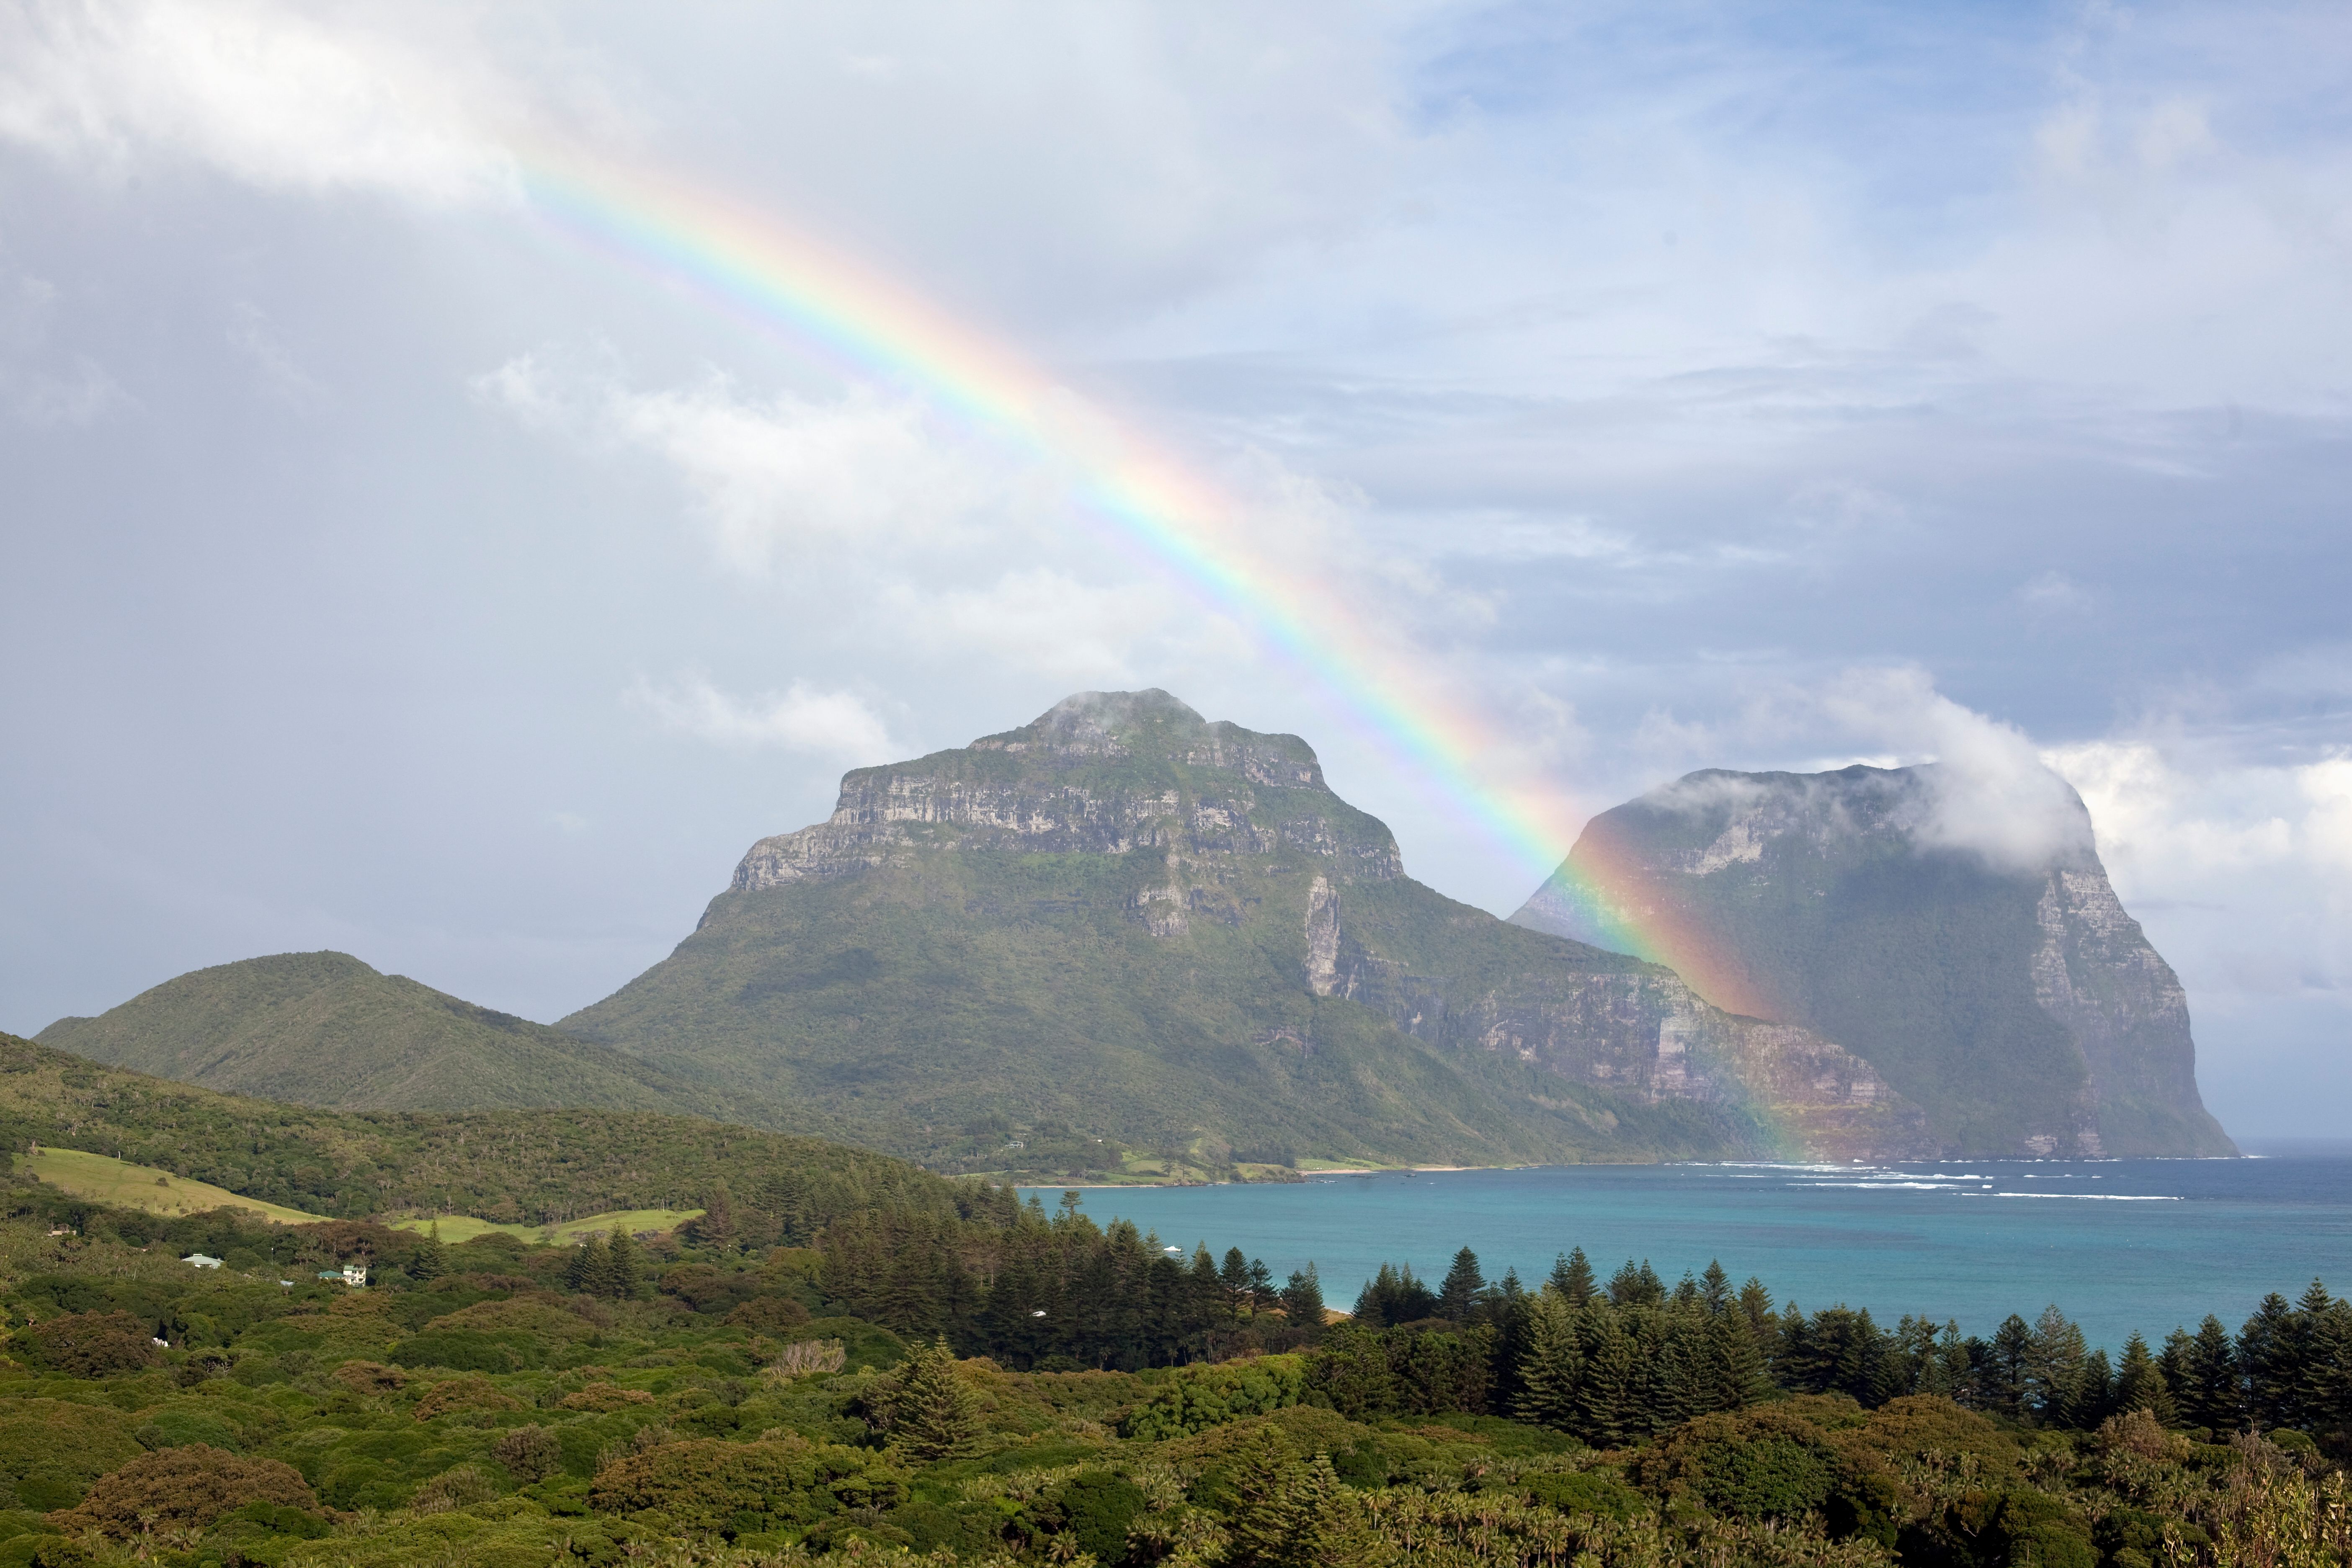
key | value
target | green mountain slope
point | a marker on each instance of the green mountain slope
(1121, 921)
(323, 1028)
(529, 1166)
(2022, 1008)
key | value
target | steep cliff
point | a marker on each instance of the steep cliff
(2007, 995)
(1171, 933)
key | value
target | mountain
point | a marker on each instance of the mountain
(533, 1166)
(1999, 986)
(1123, 923)
(323, 1028)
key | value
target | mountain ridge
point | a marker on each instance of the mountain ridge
(1165, 931)
(324, 1028)
(2001, 985)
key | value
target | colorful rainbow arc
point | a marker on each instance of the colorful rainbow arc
(744, 262)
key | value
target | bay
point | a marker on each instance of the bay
(2117, 1245)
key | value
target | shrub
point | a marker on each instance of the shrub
(183, 1487)
(461, 1487)
(463, 1394)
(370, 1377)
(806, 1358)
(1759, 1464)
(768, 1315)
(732, 1489)
(471, 1349)
(529, 1453)
(1096, 1508)
(605, 1397)
(52, 1450)
(91, 1344)
(1198, 1397)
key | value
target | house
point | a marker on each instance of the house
(199, 1260)
(353, 1274)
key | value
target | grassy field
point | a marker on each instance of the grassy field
(103, 1179)
(459, 1227)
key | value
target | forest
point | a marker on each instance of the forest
(803, 1372)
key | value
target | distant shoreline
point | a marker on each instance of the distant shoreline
(1302, 1176)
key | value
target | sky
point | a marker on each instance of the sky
(405, 549)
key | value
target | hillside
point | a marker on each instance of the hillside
(323, 1028)
(1122, 922)
(514, 1166)
(2019, 1006)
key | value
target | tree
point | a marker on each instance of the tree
(1302, 1300)
(1571, 1276)
(1457, 1296)
(1395, 1296)
(1606, 1405)
(2054, 1369)
(1716, 1288)
(591, 1266)
(2267, 1362)
(1636, 1286)
(1754, 1306)
(926, 1407)
(625, 1265)
(1293, 1514)
(715, 1226)
(1551, 1366)
(428, 1261)
(2002, 1376)
(1233, 1274)
(2139, 1384)
(2202, 1375)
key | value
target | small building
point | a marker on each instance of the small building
(200, 1260)
(353, 1275)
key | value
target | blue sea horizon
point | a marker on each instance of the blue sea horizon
(2117, 1245)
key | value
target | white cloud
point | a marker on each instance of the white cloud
(782, 480)
(1041, 620)
(275, 96)
(779, 475)
(833, 724)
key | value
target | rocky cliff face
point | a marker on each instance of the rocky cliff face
(1174, 933)
(2014, 1000)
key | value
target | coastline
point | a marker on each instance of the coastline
(1302, 1176)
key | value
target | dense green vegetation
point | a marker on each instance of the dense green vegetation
(529, 1166)
(714, 1396)
(322, 1029)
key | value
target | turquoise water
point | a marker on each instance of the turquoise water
(2118, 1244)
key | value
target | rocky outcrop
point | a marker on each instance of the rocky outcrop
(1057, 787)
(1994, 980)
(1167, 930)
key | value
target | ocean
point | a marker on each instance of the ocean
(2117, 1245)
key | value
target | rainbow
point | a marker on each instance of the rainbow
(744, 262)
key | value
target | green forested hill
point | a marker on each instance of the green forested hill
(323, 1028)
(511, 1165)
(1124, 922)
